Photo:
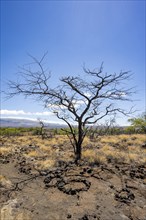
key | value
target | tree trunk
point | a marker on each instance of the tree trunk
(78, 153)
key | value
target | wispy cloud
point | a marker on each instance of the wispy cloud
(21, 112)
(76, 103)
(35, 119)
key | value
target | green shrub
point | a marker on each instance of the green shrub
(10, 132)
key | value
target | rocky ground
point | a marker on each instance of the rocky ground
(67, 191)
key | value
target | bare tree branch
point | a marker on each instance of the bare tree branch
(82, 100)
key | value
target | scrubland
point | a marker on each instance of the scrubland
(104, 149)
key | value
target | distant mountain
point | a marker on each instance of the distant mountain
(12, 122)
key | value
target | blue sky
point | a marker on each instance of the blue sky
(73, 33)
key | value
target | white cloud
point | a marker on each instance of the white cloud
(76, 104)
(21, 112)
(19, 117)
(120, 94)
(12, 112)
(87, 94)
(57, 121)
(56, 107)
(42, 113)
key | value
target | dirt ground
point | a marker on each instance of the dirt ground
(87, 191)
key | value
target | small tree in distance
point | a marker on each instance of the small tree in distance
(138, 124)
(79, 101)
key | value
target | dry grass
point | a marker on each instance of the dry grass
(5, 150)
(86, 142)
(44, 164)
(120, 139)
(93, 156)
(110, 140)
(33, 154)
(118, 148)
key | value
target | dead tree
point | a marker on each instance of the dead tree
(101, 129)
(79, 101)
(42, 131)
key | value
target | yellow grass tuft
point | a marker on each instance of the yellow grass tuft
(109, 140)
(46, 149)
(133, 157)
(5, 150)
(32, 154)
(89, 153)
(93, 157)
(86, 142)
(123, 137)
(45, 164)
(107, 148)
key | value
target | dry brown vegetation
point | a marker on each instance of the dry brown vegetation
(109, 182)
(121, 148)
